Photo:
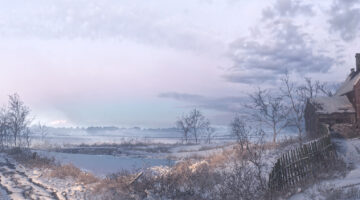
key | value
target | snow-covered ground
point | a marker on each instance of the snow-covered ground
(22, 183)
(19, 183)
(349, 150)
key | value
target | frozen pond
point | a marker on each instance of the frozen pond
(102, 165)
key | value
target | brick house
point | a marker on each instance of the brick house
(342, 108)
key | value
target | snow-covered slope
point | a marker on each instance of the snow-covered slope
(349, 150)
(19, 183)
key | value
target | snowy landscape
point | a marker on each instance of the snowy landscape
(180, 100)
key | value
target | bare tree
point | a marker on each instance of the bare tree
(4, 127)
(27, 137)
(294, 95)
(241, 132)
(297, 97)
(42, 130)
(185, 126)
(193, 123)
(312, 89)
(269, 109)
(255, 157)
(209, 134)
(198, 124)
(18, 115)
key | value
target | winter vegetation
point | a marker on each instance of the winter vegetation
(196, 166)
(14, 124)
(179, 100)
(194, 125)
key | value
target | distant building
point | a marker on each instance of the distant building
(342, 108)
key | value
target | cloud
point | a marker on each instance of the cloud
(230, 104)
(287, 8)
(144, 22)
(254, 77)
(344, 18)
(59, 122)
(181, 96)
(280, 45)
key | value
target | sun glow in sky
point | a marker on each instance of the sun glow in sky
(143, 63)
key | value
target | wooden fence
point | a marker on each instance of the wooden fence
(297, 165)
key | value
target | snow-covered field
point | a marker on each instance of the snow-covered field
(117, 154)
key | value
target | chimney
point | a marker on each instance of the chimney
(357, 58)
(352, 73)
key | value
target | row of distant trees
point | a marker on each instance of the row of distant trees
(14, 124)
(271, 109)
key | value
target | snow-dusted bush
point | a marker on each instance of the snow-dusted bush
(240, 176)
(31, 159)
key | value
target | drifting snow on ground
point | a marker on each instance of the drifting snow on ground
(349, 150)
(19, 183)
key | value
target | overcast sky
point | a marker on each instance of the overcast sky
(143, 63)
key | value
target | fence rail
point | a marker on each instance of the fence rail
(298, 164)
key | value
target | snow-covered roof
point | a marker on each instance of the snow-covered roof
(348, 84)
(334, 104)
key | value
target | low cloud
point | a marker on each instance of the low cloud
(257, 76)
(230, 104)
(59, 122)
(181, 96)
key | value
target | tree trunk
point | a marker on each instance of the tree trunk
(274, 136)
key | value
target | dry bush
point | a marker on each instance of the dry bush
(119, 186)
(221, 159)
(185, 180)
(70, 171)
(31, 159)
(242, 182)
(193, 180)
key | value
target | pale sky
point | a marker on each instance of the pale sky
(144, 63)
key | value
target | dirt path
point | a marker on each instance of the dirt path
(18, 185)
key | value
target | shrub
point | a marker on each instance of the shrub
(31, 159)
(70, 171)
